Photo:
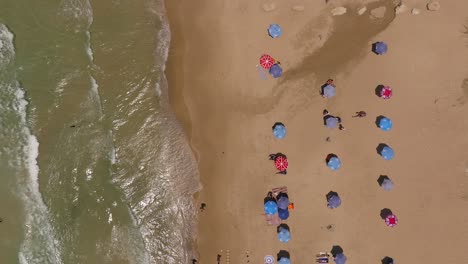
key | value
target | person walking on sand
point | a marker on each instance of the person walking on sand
(360, 114)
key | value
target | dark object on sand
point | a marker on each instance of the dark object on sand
(194, 261)
(360, 114)
(387, 260)
(336, 250)
(202, 206)
(385, 212)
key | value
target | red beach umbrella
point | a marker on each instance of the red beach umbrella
(391, 220)
(386, 92)
(266, 61)
(281, 163)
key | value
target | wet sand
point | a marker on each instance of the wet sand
(228, 111)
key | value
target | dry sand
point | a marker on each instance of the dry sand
(228, 111)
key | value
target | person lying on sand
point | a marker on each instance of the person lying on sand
(360, 114)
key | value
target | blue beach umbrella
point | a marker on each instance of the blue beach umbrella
(284, 235)
(283, 202)
(385, 124)
(284, 260)
(334, 163)
(387, 153)
(334, 201)
(276, 71)
(380, 48)
(274, 30)
(340, 258)
(331, 122)
(283, 214)
(329, 91)
(270, 208)
(279, 131)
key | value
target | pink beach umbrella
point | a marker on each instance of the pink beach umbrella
(386, 92)
(391, 220)
(266, 61)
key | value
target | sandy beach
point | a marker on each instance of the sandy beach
(228, 110)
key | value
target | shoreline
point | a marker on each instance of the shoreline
(214, 100)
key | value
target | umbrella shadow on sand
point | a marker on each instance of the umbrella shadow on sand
(284, 226)
(385, 212)
(380, 147)
(329, 156)
(378, 90)
(382, 178)
(331, 194)
(378, 119)
(277, 124)
(387, 260)
(268, 198)
(336, 250)
(283, 254)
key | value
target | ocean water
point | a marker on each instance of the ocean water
(94, 166)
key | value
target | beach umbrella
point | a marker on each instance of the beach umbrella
(279, 131)
(329, 91)
(274, 30)
(283, 202)
(276, 71)
(281, 163)
(269, 259)
(391, 220)
(334, 163)
(340, 258)
(380, 48)
(266, 61)
(386, 92)
(385, 124)
(387, 153)
(334, 201)
(283, 214)
(284, 235)
(331, 122)
(270, 207)
(284, 260)
(387, 184)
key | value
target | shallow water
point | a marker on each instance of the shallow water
(95, 169)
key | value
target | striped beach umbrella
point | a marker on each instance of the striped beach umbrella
(281, 163)
(385, 124)
(386, 92)
(391, 220)
(266, 61)
(269, 259)
(334, 163)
